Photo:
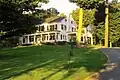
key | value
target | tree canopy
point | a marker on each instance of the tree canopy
(88, 17)
(12, 20)
(87, 4)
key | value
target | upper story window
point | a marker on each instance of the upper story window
(51, 27)
(62, 26)
(48, 28)
(55, 26)
(65, 20)
(65, 27)
(72, 29)
(41, 28)
(71, 22)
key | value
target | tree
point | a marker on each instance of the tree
(84, 4)
(87, 4)
(12, 20)
(98, 33)
(88, 17)
(52, 11)
(114, 20)
(114, 23)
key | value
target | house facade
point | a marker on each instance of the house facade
(57, 30)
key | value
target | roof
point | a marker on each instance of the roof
(54, 19)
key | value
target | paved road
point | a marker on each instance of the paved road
(114, 57)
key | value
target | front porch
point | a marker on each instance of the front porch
(38, 38)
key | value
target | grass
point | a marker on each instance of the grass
(49, 63)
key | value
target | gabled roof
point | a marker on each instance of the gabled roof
(54, 19)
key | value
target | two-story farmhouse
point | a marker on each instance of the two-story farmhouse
(56, 30)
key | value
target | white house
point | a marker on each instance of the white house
(58, 29)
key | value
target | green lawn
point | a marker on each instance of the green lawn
(49, 63)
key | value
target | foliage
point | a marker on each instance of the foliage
(62, 15)
(88, 17)
(87, 4)
(52, 12)
(12, 20)
(98, 32)
(49, 63)
(114, 23)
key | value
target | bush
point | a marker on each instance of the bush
(61, 42)
(48, 43)
(9, 42)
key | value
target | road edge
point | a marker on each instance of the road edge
(102, 70)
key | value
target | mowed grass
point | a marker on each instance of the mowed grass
(49, 63)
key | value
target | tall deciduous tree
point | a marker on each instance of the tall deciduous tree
(88, 16)
(114, 23)
(84, 4)
(13, 21)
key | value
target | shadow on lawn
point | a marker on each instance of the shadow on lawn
(8, 57)
(29, 69)
(88, 62)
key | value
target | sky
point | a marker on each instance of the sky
(63, 6)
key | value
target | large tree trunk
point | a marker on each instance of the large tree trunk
(110, 44)
(79, 32)
(106, 27)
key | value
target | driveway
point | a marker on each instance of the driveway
(114, 58)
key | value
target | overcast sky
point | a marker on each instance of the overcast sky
(63, 6)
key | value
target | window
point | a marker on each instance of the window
(41, 28)
(57, 36)
(71, 22)
(43, 37)
(48, 28)
(65, 27)
(56, 27)
(81, 38)
(23, 39)
(62, 26)
(72, 29)
(51, 27)
(61, 37)
(47, 37)
(31, 38)
(65, 20)
(38, 29)
(65, 37)
(52, 36)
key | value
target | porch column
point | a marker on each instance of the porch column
(48, 37)
(28, 39)
(91, 40)
(34, 38)
(41, 38)
(55, 36)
